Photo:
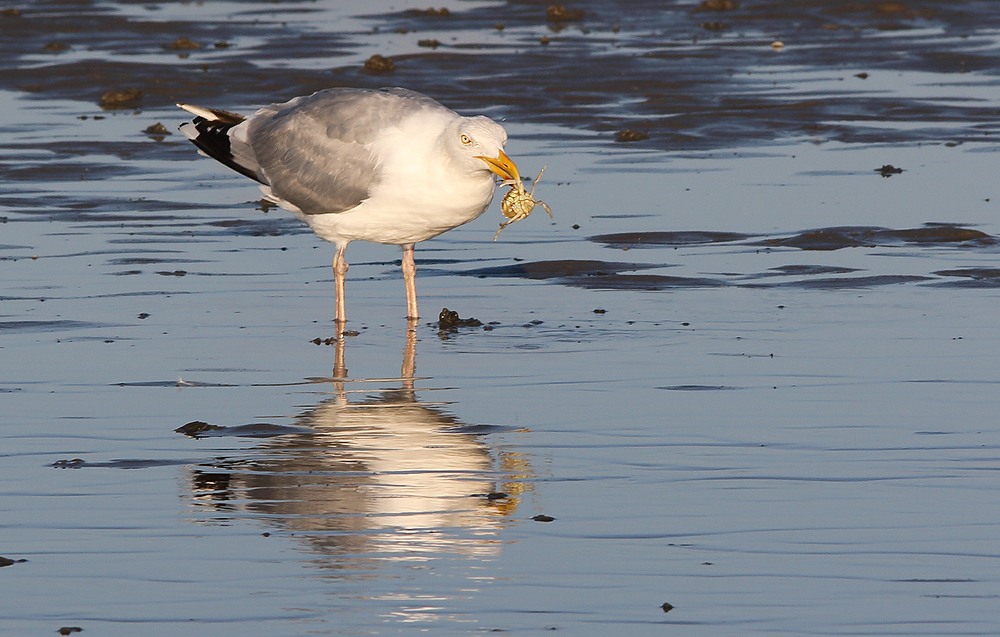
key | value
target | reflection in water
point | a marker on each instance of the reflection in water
(385, 478)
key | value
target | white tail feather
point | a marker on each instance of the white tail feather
(199, 111)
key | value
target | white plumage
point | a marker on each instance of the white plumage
(388, 165)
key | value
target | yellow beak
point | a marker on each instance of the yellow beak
(503, 166)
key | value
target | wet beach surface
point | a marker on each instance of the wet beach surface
(750, 370)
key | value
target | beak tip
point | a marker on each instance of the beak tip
(502, 165)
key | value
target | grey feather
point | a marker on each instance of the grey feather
(314, 152)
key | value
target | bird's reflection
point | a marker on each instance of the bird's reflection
(383, 477)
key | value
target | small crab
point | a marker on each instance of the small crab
(518, 203)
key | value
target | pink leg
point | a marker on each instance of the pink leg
(409, 276)
(409, 367)
(339, 273)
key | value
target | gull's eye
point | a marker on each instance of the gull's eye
(466, 140)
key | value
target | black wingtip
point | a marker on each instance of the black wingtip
(212, 138)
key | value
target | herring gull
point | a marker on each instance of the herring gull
(388, 165)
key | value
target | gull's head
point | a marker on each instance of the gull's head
(479, 142)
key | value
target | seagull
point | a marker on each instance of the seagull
(386, 165)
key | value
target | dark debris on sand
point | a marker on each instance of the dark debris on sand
(450, 321)
(659, 77)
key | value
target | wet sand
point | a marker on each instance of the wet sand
(747, 375)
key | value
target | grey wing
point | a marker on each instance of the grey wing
(314, 152)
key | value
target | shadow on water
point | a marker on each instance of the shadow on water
(619, 275)
(373, 478)
(932, 234)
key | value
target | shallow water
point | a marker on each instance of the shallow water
(742, 371)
